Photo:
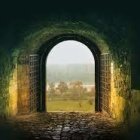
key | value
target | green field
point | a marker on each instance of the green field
(70, 105)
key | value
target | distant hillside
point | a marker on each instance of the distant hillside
(71, 72)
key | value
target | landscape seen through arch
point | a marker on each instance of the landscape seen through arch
(70, 78)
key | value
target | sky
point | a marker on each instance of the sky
(70, 52)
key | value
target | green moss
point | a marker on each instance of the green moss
(35, 39)
(7, 65)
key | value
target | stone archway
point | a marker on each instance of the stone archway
(46, 48)
(34, 73)
(31, 67)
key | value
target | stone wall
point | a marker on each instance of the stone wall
(13, 94)
(134, 105)
(6, 74)
(23, 88)
(120, 92)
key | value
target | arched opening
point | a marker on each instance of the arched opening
(32, 67)
(70, 78)
(44, 52)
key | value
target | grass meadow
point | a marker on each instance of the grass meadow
(70, 105)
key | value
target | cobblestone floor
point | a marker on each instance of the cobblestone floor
(67, 126)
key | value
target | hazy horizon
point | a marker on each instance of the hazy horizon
(70, 61)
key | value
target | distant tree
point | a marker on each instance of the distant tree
(63, 87)
(77, 87)
(51, 88)
(91, 93)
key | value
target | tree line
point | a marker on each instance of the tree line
(72, 90)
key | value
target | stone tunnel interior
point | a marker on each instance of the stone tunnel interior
(25, 43)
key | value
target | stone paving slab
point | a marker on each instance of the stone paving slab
(68, 126)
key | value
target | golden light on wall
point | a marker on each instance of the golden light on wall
(12, 107)
(117, 102)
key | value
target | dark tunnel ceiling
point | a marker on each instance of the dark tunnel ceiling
(23, 9)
